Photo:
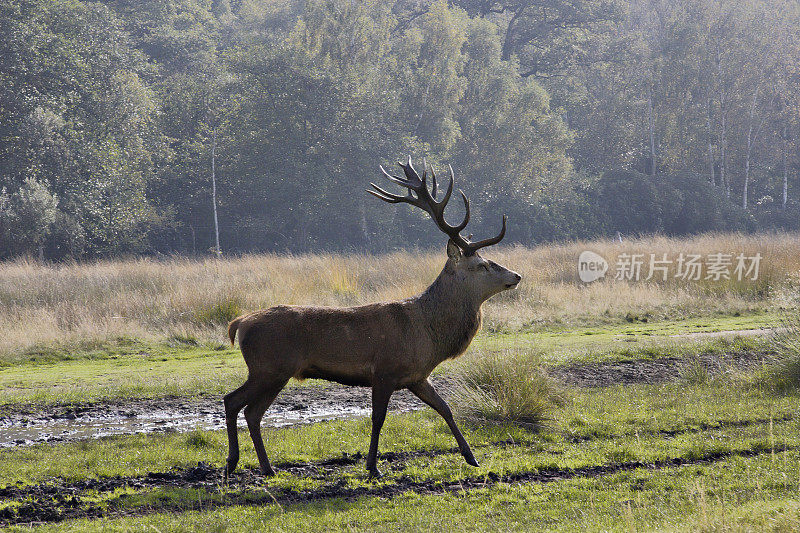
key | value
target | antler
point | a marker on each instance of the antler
(419, 195)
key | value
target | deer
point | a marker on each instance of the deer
(386, 346)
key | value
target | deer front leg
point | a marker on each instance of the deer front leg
(425, 392)
(381, 393)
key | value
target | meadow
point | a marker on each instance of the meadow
(651, 403)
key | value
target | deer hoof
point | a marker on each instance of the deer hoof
(471, 460)
(375, 474)
(269, 472)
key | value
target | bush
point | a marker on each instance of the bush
(675, 204)
(698, 206)
(504, 388)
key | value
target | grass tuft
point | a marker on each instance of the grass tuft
(197, 439)
(505, 388)
(218, 313)
(784, 375)
(696, 373)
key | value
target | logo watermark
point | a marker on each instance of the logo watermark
(689, 267)
(591, 266)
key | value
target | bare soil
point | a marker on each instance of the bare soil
(649, 371)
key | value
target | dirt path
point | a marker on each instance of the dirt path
(308, 404)
(758, 332)
(644, 371)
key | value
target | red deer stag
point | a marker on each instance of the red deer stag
(386, 346)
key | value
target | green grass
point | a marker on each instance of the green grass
(138, 370)
(502, 388)
(595, 428)
(558, 345)
(599, 420)
(738, 494)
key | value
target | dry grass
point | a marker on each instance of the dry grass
(147, 298)
(504, 388)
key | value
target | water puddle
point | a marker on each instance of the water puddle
(23, 432)
(300, 406)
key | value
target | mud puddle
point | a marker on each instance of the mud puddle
(299, 405)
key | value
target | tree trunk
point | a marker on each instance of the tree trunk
(723, 113)
(508, 42)
(785, 169)
(217, 249)
(749, 148)
(651, 127)
(711, 175)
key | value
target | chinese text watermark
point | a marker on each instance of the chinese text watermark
(661, 267)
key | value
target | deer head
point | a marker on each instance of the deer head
(473, 274)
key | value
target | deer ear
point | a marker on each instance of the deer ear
(453, 251)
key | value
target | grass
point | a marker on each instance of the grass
(784, 375)
(155, 300)
(734, 495)
(735, 437)
(504, 388)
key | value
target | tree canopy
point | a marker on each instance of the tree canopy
(574, 118)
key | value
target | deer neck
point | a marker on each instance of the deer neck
(452, 315)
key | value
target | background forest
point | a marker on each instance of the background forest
(576, 118)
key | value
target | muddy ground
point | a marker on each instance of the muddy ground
(297, 405)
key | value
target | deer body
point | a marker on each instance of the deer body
(386, 346)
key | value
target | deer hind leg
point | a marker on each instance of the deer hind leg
(425, 392)
(380, 401)
(234, 402)
(254, 412)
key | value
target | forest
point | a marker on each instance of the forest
(129, 127)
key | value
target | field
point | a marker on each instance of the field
(664, 415)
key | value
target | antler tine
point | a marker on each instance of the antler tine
(466, 214)
(411, 174)
(386, 196)
(419, 196)
(475, 246)
(397, 179)
(434, 189)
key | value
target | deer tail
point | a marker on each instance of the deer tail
(233, 326)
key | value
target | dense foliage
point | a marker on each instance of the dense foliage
(574, 118)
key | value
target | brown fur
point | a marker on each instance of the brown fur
(386, 346)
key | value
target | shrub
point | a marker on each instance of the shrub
(504, 388)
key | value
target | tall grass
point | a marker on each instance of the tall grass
(504, 388)
(146, 298)
(784, 375)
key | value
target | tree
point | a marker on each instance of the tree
(27, 218)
